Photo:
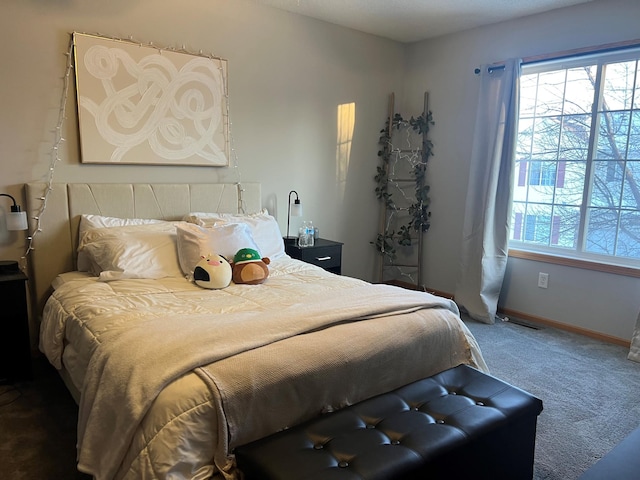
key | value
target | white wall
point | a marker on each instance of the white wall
(287, 76)
(600, 302)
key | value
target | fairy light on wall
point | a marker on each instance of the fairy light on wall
(55, 156)
(406, 154)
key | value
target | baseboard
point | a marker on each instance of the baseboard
(527, 317)
(563, 326)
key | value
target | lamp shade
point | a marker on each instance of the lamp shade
(296, 208)
(17, 221)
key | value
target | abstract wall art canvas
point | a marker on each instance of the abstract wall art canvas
(138, 104)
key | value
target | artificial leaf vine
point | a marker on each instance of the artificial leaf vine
(418, 211)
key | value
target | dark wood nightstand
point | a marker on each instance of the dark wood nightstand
(324, 253)
(15, 345)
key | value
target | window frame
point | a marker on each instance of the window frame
(578, 257)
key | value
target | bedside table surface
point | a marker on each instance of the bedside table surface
(319, 242)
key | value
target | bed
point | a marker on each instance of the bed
(171, 377)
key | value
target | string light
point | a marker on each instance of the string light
(54, 154)
(411, 156)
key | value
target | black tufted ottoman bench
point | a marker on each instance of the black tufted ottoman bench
(460, 423)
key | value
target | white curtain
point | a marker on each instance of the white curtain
(486, 224)
(634, 352)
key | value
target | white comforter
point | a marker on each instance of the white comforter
(274, 347)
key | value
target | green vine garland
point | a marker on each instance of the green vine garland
(419, 213)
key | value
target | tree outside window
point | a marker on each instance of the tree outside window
(576, 187)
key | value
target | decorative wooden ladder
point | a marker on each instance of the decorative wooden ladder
(404, 217)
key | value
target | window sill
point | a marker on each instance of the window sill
(573, 262)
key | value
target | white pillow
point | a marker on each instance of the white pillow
(195, 241)
(134, 251)
(264, 228)
(89, 222)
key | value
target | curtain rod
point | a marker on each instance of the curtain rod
(607, 47)
(492, 68)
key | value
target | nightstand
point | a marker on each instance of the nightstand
(15, 345)
(324, 253)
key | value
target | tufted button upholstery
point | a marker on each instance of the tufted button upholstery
(460, 422)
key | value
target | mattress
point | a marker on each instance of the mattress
(173, 377)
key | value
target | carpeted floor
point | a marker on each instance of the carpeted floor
(38, 428)
(589, 389)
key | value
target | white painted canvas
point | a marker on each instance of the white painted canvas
(143, 105)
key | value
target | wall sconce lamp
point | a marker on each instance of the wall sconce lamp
(295, 211)
(16, 219)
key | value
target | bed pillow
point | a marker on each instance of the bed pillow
(264, 228)
(195, 241)
(89, 222)
(134, 251)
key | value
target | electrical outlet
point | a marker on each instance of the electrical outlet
(543, 280)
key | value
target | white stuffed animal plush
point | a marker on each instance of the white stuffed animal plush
(213, 272)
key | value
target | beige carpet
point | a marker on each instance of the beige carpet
(590, 391)
(38, 429)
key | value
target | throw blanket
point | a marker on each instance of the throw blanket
(129, 369)
(269, 389)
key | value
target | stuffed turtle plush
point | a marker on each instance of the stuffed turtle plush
(248, 267)
(212, 271)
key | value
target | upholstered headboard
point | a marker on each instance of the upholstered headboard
(54, 245)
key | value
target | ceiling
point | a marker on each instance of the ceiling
(413, 20)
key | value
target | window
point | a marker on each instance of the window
(577, 175)
(543, 173)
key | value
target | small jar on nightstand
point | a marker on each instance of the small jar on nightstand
(15, 345)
